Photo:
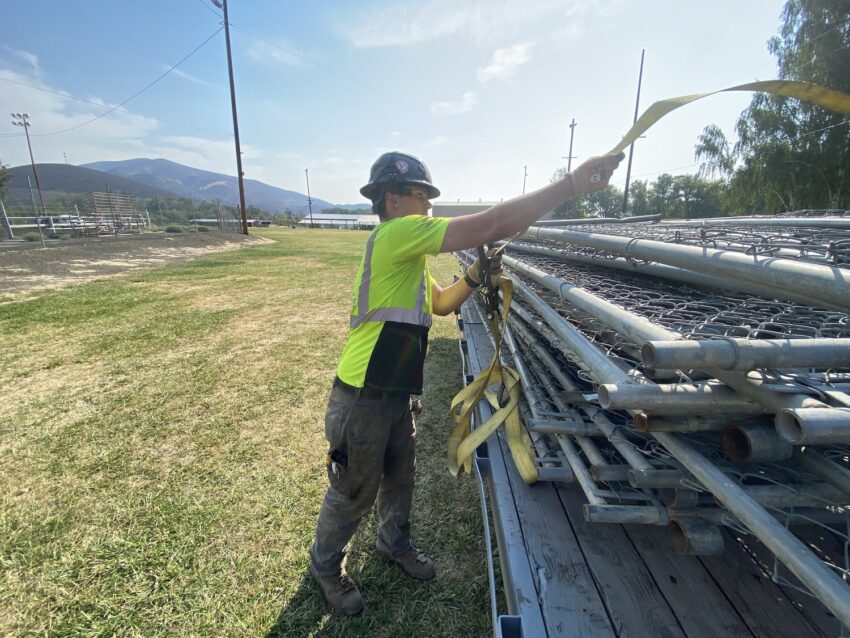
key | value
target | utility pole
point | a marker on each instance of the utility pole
(309, 200)
(632, 145)
(23, 120)
(222, 4)
(525, 175)
(570, 157)
(65, 155)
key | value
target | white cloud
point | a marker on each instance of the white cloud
(464, 105)
(191, 78)
(505, 62)
(480, 19)
(282, 53)
(30, 59)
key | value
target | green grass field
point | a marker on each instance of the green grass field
(162, 451)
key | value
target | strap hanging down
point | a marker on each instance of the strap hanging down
(463, 439)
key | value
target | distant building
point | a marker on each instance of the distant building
(457, 209)
(334, 220)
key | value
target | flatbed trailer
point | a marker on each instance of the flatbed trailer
(563, 576)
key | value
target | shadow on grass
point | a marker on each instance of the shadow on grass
(303, 613)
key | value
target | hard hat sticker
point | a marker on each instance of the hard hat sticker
(402, 166)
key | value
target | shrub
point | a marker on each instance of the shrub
(31, 237)
(204, 229)
(174, 228)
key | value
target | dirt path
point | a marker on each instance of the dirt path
(77, 261)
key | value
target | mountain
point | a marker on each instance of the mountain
(193, 182)
(73, 179)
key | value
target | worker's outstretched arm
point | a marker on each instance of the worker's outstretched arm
(510, 217)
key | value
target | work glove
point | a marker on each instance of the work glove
(472, 275)
(593, 175)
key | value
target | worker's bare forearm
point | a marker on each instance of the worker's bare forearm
(445, 301)
(517, 214)
(506, 218)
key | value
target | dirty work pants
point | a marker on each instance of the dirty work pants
(378, 436)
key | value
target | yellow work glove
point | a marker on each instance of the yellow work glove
(472, 275)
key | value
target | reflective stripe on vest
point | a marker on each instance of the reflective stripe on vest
(417, 316)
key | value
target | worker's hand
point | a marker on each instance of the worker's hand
(593, 175)
(473, 272)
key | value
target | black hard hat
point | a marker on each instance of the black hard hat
(398, 169)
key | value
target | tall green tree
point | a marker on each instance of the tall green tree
(791, 155)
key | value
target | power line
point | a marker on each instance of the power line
(92, 102)
(137, 93)
(210, 9)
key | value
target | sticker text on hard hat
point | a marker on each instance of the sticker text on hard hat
(402, 166)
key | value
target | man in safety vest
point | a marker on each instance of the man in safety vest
(369, 424)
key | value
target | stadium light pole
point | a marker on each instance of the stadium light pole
(309, 199)
(222, 4)
(23, 120)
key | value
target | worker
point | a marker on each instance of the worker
(369, 423)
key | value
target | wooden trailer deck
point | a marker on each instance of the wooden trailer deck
(565, 577)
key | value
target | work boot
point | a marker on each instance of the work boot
(414, 563)
(340, 592)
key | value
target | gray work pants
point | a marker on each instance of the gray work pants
(377, 437)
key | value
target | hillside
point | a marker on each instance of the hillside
(66, 178)
(207, 185)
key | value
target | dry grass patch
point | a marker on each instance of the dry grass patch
(162, 472)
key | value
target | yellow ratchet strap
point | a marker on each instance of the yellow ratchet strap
(463, 439)
(805, 91)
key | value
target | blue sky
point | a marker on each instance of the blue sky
(477, 89)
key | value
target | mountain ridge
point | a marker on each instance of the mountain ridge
(187, 181)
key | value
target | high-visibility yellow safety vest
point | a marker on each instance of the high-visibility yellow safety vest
(391, 309)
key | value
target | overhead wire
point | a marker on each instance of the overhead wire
(137, 93)
(85, 101)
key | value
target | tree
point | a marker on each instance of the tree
(605, 203)
(5, 178)
(790, 154)
(639, 198)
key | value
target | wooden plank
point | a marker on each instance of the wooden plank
(764, 607)
(566, 590)
(810, 607)
(632, 597)
(700, 607)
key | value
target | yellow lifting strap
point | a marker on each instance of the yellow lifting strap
(463, 439)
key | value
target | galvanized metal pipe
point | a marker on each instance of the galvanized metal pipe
(640, 330)
(599, 220)
(825, 468)
(649, 423)
(814, 426)
(750, 443)
(811, 222)
(804, 495)
(624, 514)
(693, 537)
(812, 572)
(676, 399)
(828, 284)
(746, 354)
(702, 280)
(644, 475)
